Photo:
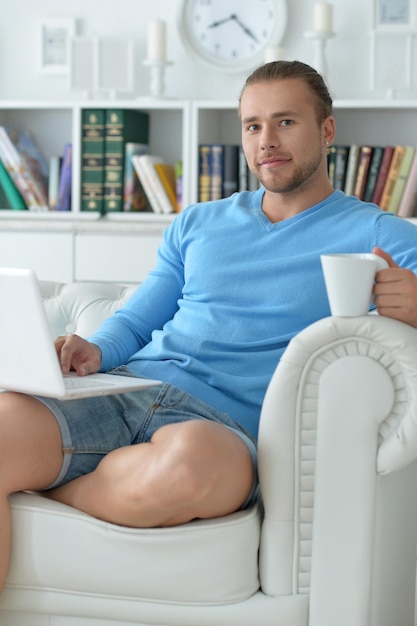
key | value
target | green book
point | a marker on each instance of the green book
(92, 160)
(11, 196)
(121, 126)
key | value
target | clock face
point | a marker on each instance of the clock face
(232, 34)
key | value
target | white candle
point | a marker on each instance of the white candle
(323, 17)
(273, 53)
(156, 40)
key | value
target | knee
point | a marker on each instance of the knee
(183, 472)
(153, 475)
(202, 467)
(192, 469)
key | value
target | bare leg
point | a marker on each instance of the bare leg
(188, 470)
(30, 457)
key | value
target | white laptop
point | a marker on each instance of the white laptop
(28, 360)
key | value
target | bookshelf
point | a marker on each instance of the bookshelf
(78, 242)
(55, 123)
(358, 121)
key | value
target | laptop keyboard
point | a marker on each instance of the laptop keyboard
(81, 382)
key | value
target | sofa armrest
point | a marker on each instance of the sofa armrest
(339, 415)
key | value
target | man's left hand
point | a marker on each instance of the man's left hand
(395, 291)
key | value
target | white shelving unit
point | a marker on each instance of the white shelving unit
(85, 246)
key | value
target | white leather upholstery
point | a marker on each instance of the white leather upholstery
(337, 450)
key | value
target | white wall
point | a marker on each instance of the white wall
(348, 52)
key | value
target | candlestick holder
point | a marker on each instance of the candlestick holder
(320, 40)
(157, 77)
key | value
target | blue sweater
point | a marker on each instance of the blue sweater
(230, 289)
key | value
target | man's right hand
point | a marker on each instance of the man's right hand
(77, 354)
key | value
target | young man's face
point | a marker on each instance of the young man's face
(284, 144)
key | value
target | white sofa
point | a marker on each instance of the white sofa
(336, 544)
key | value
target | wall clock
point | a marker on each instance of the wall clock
(231, 34)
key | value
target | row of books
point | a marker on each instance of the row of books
(119, 174)
(160, 183)
(117, 171)
(223, 170)
(385, 175)
(27, 180)
(114, 176)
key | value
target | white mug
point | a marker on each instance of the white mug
(349, 280)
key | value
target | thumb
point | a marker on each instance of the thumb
(384, 255)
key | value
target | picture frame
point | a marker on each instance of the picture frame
(54, 44)
(395, 15)
(391, 63)
(101, 66)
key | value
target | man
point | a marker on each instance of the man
(234, 281)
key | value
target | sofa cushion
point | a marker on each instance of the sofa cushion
(81, 307)
(58, 548)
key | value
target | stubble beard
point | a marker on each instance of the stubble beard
(298, 180)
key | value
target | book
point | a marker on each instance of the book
(331, 163)
(342, 155)
(55, 163)
(134, 196)
(230, 170)
(65, 180)
(374, 166)
(178, 183)
(204, 163)
(382, 174)
(166, 173)
(243, 171)
(401, 179)
(92, 159)
(351, 169)
(408, 203)
(154, 189)
(216, 171)
(365, 154)
(26, 166)
(121, 126)
(11, 197)
(223, 170)
(391, 178)
(13, 166)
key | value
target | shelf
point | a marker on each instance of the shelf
(54, 123)
(387, 104)
(32, 221)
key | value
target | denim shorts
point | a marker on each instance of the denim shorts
(93, 427)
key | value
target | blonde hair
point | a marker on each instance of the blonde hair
(279, 70)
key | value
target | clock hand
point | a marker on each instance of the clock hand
(244, 28)
(220, 22)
